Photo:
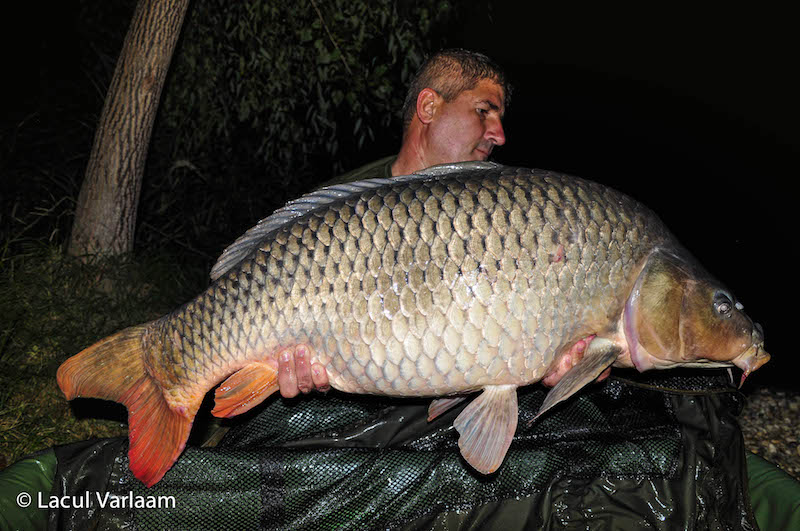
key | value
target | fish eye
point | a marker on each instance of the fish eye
(723, 305)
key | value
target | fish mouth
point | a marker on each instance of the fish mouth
(755, 356)
(751, 359)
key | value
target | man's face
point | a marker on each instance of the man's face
(468, 127)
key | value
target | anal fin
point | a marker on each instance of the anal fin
(487, 426)
(599, 355)
(245, 389)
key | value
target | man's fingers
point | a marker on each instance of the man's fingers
(320, 377)
(296, 374)
(568, 360)
(287, 376)
(554, 376)
(604, 375)
(303, 369)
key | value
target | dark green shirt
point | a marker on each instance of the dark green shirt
(381, 168)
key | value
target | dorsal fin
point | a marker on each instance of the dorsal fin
(318, 200)
(445, 169)
(292, 210)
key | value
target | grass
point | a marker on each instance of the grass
(52, 306)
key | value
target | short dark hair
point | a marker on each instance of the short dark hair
(451, 72)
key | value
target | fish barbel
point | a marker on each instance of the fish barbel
(461, 278)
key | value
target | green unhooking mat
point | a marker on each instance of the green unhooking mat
(622, 453)
(653, 453)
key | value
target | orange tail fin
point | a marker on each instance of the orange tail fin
(113, 369)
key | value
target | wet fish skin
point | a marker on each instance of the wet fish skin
(472, 276)
(451, 275)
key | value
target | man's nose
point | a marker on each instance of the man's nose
(495, 133)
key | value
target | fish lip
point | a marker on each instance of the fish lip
(751, 359)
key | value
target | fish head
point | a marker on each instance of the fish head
(678, 315)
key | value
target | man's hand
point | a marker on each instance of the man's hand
(568, 360)
(297, 375)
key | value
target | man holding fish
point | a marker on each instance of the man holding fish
(453, 113)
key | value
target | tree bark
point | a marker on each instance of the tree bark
(105, 217)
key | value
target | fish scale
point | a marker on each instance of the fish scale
(313, 283)
(463, 277)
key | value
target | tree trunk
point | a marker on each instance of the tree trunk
(105, 217)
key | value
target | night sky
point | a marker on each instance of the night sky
(693, 113)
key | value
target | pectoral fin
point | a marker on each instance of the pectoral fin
(600, 354)
(245, 389)
(486, 427)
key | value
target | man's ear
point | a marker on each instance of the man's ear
(427, 104)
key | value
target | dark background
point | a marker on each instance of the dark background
(693, 113)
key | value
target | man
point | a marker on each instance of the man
(453, 112)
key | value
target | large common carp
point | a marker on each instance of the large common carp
(461, 278)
